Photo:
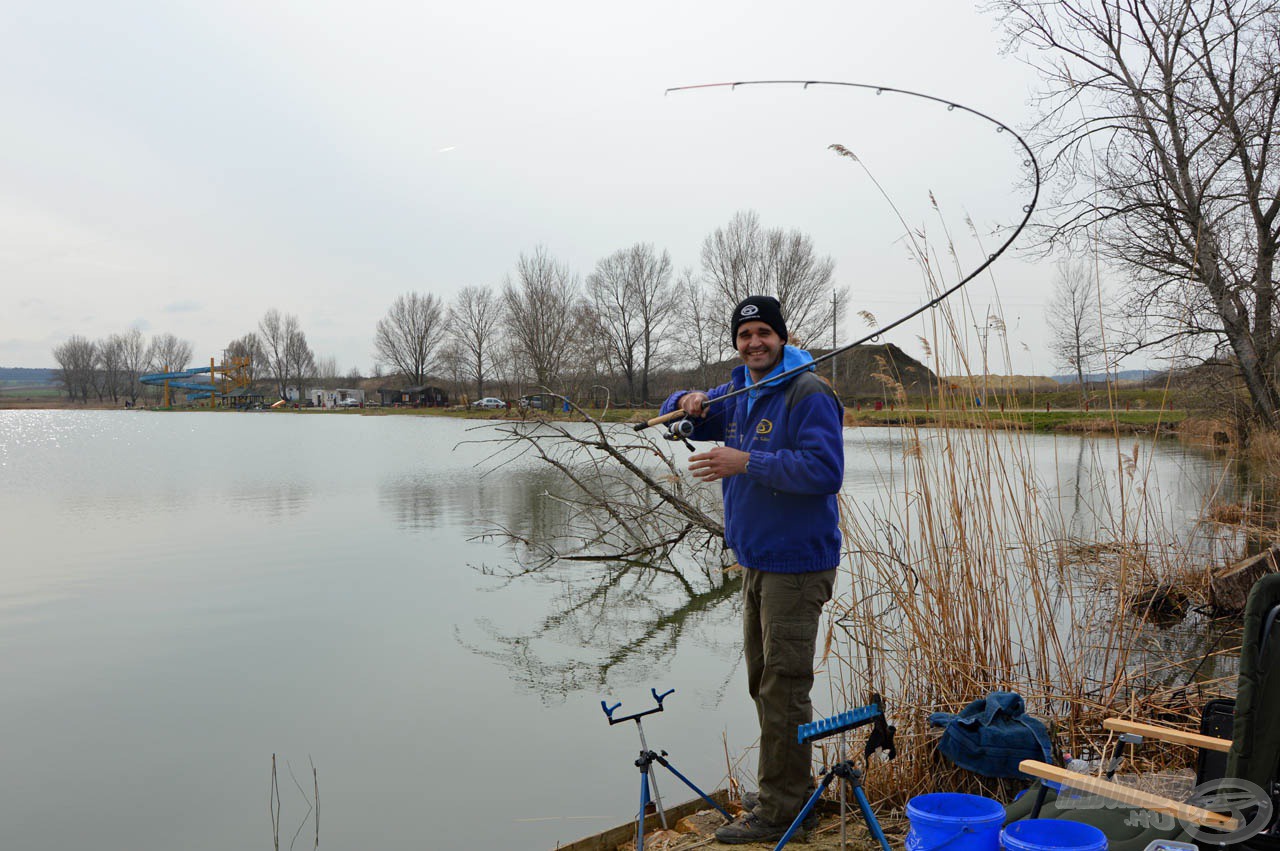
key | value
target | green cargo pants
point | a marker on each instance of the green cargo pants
(780, 614)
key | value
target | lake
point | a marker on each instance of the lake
(183, 595)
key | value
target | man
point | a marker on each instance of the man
(780, 469)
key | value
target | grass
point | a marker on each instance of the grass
(1095, 422)
(33, 391)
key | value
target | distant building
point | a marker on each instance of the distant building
(343, 397)
(422, 396)
(244, 397)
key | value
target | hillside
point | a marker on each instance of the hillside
(864, 373)
(24, 375)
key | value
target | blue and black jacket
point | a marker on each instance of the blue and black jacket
(781, 515)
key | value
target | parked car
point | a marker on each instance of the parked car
(488, 402)
(348, 403)
(538, 402)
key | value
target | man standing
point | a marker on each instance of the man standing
(780, 469)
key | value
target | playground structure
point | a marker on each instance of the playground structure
(224, 380)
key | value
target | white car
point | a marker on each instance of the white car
(348, 403)
(488, 402)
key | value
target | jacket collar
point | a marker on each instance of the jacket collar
(792, 358)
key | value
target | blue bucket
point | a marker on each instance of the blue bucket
(1052, 834)
(951, 821)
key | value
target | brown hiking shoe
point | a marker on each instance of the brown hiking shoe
(751, 799)
(752, 828)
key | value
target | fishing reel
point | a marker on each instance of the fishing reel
(680, 429)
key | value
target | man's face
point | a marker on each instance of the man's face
(759, 345)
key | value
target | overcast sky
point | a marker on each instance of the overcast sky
(183, 167)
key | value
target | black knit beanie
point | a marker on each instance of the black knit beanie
(759, 308)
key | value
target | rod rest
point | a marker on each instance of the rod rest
(824, 727)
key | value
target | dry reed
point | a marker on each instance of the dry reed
(967, 577)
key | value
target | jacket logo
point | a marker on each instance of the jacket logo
(764, 427)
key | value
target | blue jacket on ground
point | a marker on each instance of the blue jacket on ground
(992, 735)
(781, 515)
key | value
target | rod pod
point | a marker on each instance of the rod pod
(645, 761)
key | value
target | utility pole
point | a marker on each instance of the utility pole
(833, 339)
(985, 331)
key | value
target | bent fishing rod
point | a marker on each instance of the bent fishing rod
(951, 106)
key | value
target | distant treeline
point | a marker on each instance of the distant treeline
(24, 375)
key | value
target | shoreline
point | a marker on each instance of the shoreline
(1162, 423)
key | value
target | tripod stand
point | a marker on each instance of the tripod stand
(881, 737)
(854, 779)
(645, 761)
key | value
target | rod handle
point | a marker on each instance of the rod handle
(665, 418)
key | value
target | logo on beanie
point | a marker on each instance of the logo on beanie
(750, 310)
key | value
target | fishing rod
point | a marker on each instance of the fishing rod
(951, 106)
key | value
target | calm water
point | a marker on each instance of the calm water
(184, 595)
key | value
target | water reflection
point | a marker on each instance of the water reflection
(274, 500)
(623, 618)
(512, 504)
(619, 624)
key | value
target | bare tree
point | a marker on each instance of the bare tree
(1075, 320)
(732, 261)
(109, 361)
(539, 313)
(407, 338)
(473, 323)
(249, 347)
(133, 361)
(705, 338)
(327, 369)
(1159, 117)
(452, 367)
(510, 371)
(630, 291)
(588, 364)
(167, 353)
(300, 361)
(742, 259)
(272, 336)
(75, 360)
(278, 333)
(616, 314)
(650, 275)
(803, 284)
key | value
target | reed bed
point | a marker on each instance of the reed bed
(973, 574)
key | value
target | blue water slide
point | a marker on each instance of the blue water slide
(194, 390)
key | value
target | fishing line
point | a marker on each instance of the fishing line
(951, 106)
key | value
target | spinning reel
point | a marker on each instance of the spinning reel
(681, 430)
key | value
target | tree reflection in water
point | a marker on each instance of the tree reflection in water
(632, 546)
(616, 621)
